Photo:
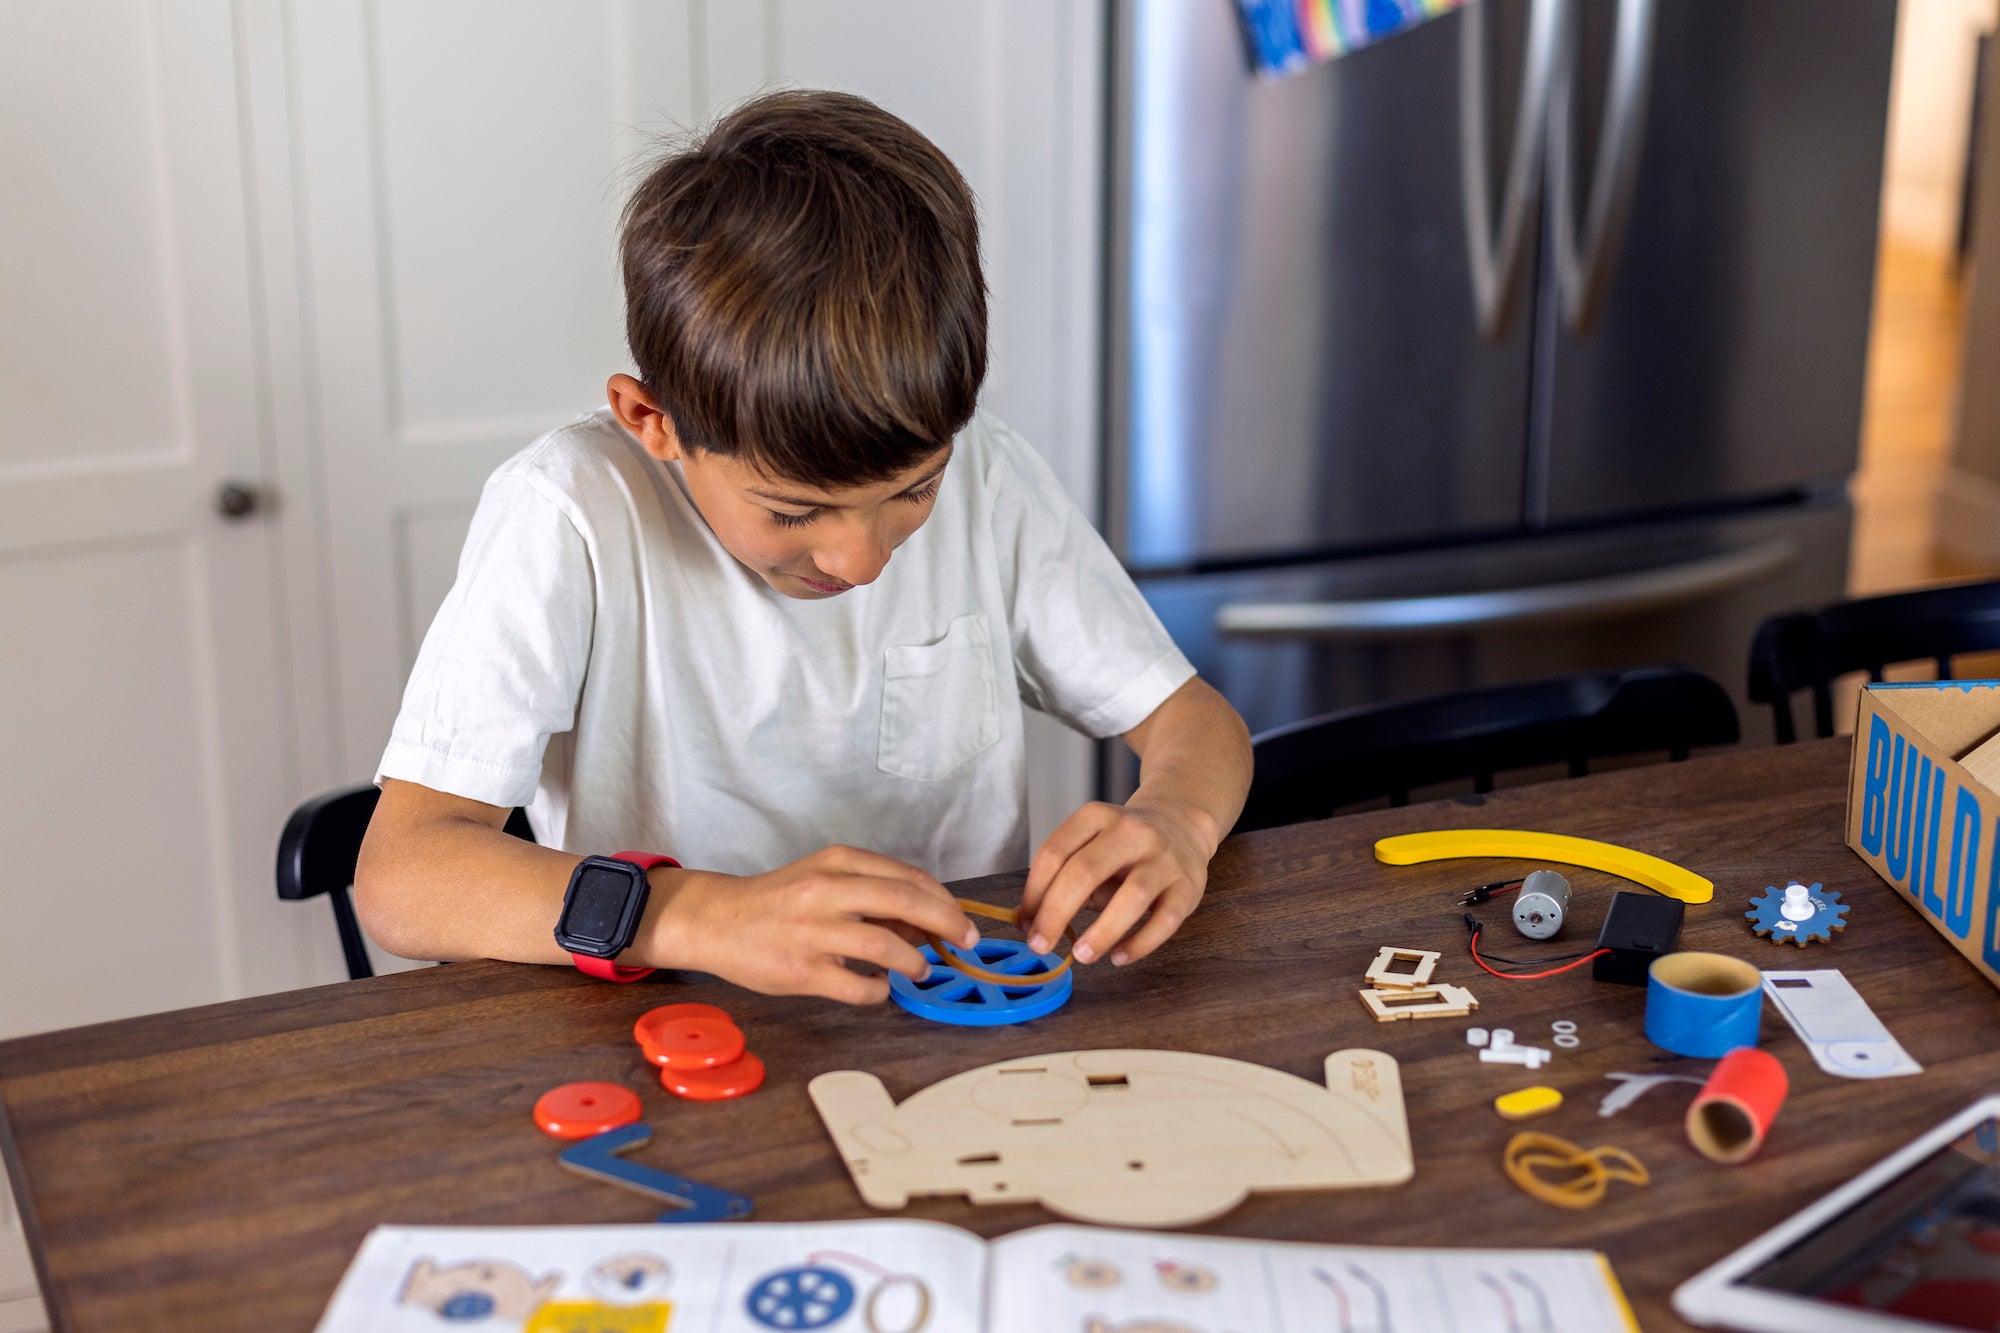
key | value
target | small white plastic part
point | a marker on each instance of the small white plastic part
(1631, 1087)
(1563, 1025)
(1502, 1038)
(1567, 1040)
(1798, 904)
(1534, 1057)
(1475, 1036)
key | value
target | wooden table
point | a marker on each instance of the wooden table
(215, 1168)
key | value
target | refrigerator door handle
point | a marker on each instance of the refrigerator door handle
(1546, 603)
(1584, 267)
(1495, 258)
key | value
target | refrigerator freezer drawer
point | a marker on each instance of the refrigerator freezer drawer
(1286, 644)
(1536, 604)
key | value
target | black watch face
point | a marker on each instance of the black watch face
(597, 904)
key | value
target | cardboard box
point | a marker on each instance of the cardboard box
(1919, 818)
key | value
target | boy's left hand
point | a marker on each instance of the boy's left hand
(1138, 862)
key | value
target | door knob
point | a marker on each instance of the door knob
(234, 499)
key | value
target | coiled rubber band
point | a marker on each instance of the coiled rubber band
(1592, 1169)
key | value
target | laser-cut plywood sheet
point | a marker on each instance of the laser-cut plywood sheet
(1123, 1137)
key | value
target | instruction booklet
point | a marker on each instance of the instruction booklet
(890, 1276)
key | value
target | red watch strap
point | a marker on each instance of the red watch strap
(604, 968)
(607, 970)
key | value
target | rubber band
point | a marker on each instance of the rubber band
(956, 961)
(1594, 1169)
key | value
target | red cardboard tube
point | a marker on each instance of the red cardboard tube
(1735, 1108)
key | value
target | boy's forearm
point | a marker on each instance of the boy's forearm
(452, 887)
(1194, 759)
(417, 881)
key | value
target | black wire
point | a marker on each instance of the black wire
(1475, 925)
(1536, 962)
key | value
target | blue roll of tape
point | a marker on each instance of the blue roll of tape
(1703, 1004)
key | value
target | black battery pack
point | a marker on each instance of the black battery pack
(1638, 927)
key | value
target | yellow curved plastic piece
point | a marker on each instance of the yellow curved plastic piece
(1443, 845)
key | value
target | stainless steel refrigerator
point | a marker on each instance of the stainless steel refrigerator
(1529, 340)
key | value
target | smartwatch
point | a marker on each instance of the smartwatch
(601, 911)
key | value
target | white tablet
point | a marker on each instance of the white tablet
(1911, 1243)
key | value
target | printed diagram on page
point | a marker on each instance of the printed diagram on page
(861, 1277)
(1082, 1280)
(1360, 1303)
(883, 1276)
(820, 1293)
(622, 1294)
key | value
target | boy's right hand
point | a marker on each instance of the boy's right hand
(789, 930)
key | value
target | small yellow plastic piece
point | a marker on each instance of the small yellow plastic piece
(1446, 844)
(1526, 1103)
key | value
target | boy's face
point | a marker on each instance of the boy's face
(804, 541)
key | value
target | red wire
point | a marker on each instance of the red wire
(1473, 944)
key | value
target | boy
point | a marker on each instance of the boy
(677, 624)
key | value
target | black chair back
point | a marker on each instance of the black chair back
(318, 851)
(1308, 769)
(1809, 650)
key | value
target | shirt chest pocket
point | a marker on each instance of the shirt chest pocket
(939, 707)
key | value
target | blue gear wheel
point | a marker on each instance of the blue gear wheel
(810, 1296)
(1767, 918)
(949, 996)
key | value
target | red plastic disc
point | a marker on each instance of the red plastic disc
(578, 1110)
(694, 1043)
(649, 1022)
(717, 1084)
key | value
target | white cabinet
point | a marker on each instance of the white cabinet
(20, 1306)
(143, 672)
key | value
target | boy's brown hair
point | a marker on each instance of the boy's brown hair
(803, 290)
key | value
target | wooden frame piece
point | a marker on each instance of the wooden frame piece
(1443, 1001)
(1423, 961)
(1122, 1137)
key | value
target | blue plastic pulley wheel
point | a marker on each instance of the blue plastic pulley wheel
(809, 1296)
(949, 996)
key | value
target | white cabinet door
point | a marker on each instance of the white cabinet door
(145, 759)
(20, 1306)
(462, 164)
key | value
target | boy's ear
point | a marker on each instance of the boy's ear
(639, 414)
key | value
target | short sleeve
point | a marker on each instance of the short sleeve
(1087, 647)
(503, 664)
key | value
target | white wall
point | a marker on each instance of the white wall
(1929, 117)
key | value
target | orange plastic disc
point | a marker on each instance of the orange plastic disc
(716, 1084)
(694, 1043)
(646, 1030)
(579, 1110)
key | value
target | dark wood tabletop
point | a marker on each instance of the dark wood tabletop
(216, 1168)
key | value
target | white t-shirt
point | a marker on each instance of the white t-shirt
(602, 660)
